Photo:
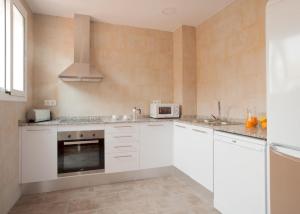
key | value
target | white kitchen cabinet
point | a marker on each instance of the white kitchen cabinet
(156, 144)
(200, 146)
(239, 174)
(122, 128)
(38, 154)
(121, 147)
(121, 162)
(193, 152)
(180, 150)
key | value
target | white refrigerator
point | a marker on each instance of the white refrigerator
(283, 104)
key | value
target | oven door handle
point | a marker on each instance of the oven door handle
(71, 143)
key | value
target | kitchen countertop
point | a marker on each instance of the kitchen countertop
(238, 128)
(242, 130)
(104, 120)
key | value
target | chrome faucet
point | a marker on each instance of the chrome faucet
(213, 117)
(219, 112)
(136, 110)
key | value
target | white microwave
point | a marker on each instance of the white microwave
(159, 110)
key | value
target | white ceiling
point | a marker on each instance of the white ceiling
(138, 13)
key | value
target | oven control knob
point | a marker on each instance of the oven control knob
(94, 135)
(81, 135)
(69, 136)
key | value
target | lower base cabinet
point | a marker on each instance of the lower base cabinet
(38, 154)
(193, 153)
(156, 142)
(239, 174)
(121, 147)
(201, 156)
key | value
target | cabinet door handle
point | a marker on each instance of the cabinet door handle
(37, 130)
(124, 136)
(119, 127)
(183, 127)
(155, 125)
(123, 156)
(200, 131)
(234, 141)
(122, 147)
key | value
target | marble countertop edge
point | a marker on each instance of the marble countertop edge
(238, 129)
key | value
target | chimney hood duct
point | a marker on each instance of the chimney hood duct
(81, 70)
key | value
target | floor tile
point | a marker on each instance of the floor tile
(166, 195)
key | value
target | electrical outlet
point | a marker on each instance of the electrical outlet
(50, 103)
(53, 102)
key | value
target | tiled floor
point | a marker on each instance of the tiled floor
(167, 195)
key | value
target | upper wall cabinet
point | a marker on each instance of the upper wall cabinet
(156, 144)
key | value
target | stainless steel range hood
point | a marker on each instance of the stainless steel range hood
(81, 70)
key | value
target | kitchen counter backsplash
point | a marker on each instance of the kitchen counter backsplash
(238, 127)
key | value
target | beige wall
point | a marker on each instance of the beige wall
(231, 60)
(178, 66)
(184, 68)
(10, 113)
(138, 68)
(136, 63)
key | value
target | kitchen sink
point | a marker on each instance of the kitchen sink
(213, 122)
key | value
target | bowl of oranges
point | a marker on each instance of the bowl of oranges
(252, 121)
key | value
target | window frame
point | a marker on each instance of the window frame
(14, 95)
(2, 90)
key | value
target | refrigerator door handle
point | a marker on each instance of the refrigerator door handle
(289, 152)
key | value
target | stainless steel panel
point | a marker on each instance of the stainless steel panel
(80, 135)
(81, 142)
(284, 182)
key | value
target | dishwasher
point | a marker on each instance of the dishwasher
(239, 174)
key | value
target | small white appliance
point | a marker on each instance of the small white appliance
(38, 115)
(161, 110)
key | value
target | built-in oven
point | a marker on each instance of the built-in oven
(80, 151)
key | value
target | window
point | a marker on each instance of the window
(2, 45)
(12, 50)
(18, 43)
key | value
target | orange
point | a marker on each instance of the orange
(262, 119)
(254, 121)
(264, 125)
(249, 124)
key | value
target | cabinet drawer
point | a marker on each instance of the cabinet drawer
(112, 148)
(122, 128)
(121, 137)
(120, 162)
